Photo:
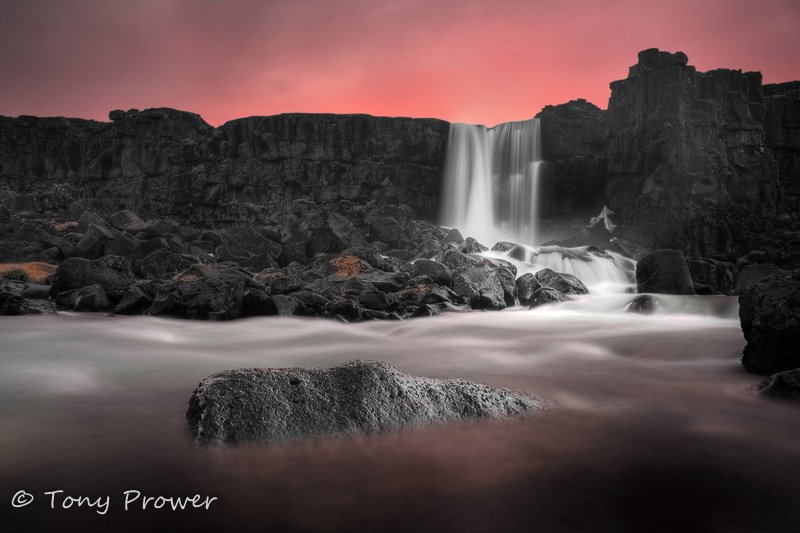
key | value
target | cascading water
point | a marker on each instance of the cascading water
(491, 182)
(491, 179)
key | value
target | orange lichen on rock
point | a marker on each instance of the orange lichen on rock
(63, 227)
(415, 294)
(187, 278)
(36, 272)
(348, 266)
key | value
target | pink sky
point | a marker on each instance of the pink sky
(459, 60)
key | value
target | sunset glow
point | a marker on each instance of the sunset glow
(460, 60)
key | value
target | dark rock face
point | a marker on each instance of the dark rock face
(574, 175)
(644, 304)
(12, 304)
(782, 385)
(561, 282)
(752, 274)
(546, 295)
(782, 129)
(718, 276)
(687, 163)
(112, 273)
(664, 271)
(527, 285)
(770, 316)
(266, 405)
(168, 163)
(89, 298)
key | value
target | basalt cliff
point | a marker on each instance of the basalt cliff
(704, 162)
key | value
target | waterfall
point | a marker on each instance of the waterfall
(491, 179)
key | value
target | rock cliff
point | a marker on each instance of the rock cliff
(163, 162)
(702, 161)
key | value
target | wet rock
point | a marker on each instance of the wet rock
(111, 272)
(14, 304)
(563, 283)
(527, 285)
(133, 302)
(438, 272)
(124, 219)
(206, 299)
(503, 246)
(784, 384)
(93, 243)
(769, 312)
(471, 246)
(162, 264)
(257, 302)
(249, 247)
(664, 271)
(546, 295)
(89, 298)
(643, 304)
(480, 285)
(360, 397)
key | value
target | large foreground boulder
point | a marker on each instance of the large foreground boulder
(770, 316)
(359, 397)
(664, 271)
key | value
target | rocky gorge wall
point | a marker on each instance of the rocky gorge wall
(168, 163)
(704, 162)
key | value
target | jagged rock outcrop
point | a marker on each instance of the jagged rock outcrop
(164, 162)
(359, 397)
(687, 163)
(770, 316)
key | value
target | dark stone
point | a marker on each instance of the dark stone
(375, 300)
(527, 285)
(561, 282)
(471, 246)
(249, 247)
(35, 291)
(111, 272)
(546, 295)
(770, 316)
(162, 264)
(643, 304)
(481, 285)
(503, 246)
(438, 272)
(89, 298)
(752, 274)
(266, 405)
(256, 302)
(210, 298)
(123, 219)
(14, 304)
(134, 302)
(784, 384)
(93, 243)
(664, 271)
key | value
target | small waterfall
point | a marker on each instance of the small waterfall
(491, 179)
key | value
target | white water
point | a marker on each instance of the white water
(651, 425)
(601, 271)
(491, 180)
